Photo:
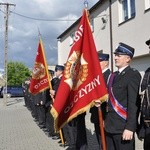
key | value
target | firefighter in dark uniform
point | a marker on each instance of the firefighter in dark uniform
(39, 100)
(48, 103)
(145, 116)
(55, 84)
(25, 87)
(104, 63)
(123, 87)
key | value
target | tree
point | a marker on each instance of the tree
(17, 73)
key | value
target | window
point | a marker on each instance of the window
(147, 4)
(126, 10)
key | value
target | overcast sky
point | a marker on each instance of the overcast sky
(51, 17)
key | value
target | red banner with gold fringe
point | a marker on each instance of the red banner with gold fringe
(40, 76)
(82, 82)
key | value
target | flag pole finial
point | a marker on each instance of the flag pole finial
(86, 4)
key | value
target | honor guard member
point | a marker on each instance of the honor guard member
(48, 103)
(123, 88)
(145, 110)
(104, 63)
(55, 84)
(39, 100)
(56, 81)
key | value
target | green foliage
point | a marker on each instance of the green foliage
(17, 73)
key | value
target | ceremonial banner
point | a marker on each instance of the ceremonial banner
(82, 82)
(40, 76)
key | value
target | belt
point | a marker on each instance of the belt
(147, 123)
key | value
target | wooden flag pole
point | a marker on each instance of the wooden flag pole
(60, 132)
(62, 137)
(102, 128)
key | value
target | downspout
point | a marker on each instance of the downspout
(111, 37)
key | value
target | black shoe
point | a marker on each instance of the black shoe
(55, 137)
(48, 134)
(45, 130)
(62, 145)
(66, 144)
(59, 141)
(71, 148)
(36, 120)
(42, 126)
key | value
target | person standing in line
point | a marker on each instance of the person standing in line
(123, 88)
(104, 63)
(55, 84)
(145, 110)
(39, 100)
(49, 118)
(25, 87)
(81, 137)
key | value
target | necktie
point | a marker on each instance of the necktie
(116, 75)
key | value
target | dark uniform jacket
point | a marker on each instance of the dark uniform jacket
(55, 83)
(49, 100)
(125, 89)
(146, 80)
(94, 110)
(40, 97)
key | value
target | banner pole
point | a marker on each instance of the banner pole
(61, 137)
(102, 128)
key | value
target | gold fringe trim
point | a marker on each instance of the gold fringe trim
(80, 111)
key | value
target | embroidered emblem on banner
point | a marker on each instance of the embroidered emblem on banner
(76, 70)
(38, 71)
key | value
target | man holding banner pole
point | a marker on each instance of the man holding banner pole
(98, 112)
(40, 80)
(55, 85)
(123, 87)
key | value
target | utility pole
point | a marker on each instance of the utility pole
(7, 5)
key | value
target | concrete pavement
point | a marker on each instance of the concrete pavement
(18, 131)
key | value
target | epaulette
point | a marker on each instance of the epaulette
(134, 69)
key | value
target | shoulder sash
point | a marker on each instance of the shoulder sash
(119, 109)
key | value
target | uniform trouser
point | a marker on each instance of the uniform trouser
(32, 107)
(34, 111)
(98, 136)
(28, 102)
(72, 130)
(115, 142)
(81, 143)
(147, 139)
(49, 121)
(25, 99)
(41, 115)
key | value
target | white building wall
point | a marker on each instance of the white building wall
(133, 32)
(141, 63)
(64, 48)
(101, 30)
